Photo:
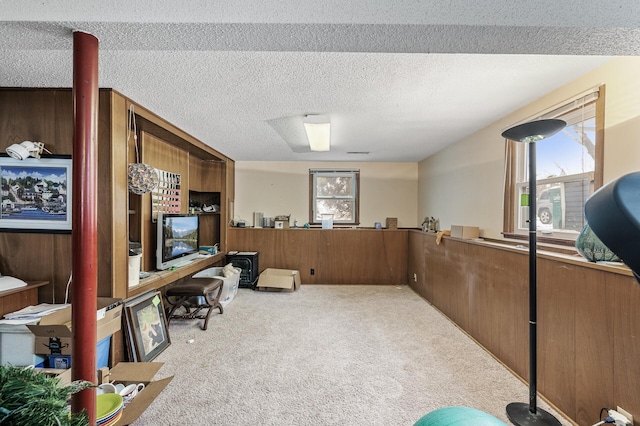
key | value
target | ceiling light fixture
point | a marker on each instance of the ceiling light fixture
(26, 149)
(318, 129)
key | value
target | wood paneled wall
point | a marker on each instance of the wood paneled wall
(338, 256)
(164, 156)
(588, 318)
(45, 116)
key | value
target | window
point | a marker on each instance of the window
(335, 192)
(568, 170)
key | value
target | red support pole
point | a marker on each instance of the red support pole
(85, 219)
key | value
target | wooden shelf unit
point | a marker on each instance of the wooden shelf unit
(46, 115)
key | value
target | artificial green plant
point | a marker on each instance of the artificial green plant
(29, 397)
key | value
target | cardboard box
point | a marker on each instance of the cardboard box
(278, 280)
(138, 372)
(53, 332)
(128, 373)
(465, 232)
(392, 223)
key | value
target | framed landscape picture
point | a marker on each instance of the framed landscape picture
(148, 326)
(36, 194)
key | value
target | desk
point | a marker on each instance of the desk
(159, 279)
(18, 298)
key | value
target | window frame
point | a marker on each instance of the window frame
(354, 173)
(511, 185)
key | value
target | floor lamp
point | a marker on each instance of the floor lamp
(530, 133)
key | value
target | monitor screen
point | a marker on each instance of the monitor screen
(178, 241)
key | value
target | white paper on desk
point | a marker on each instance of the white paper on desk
(36, 311)
(9, 283)
(24, 321)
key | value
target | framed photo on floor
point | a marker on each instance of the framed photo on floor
(147, 324)
(36, 194)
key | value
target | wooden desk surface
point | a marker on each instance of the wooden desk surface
(18, 298)
(30, 285)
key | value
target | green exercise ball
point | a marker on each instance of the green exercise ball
(458, 416)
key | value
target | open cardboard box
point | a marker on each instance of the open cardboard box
(465, 232)
(278, 280)
(128, 373)
(134, 373)
(56, 327)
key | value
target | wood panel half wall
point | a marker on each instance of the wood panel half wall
(336, 256)
(588, 318)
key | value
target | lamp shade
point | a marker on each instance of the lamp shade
(534, 131)
(613, 213)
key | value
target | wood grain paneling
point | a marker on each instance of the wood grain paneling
(213, 176)
(195, 173)
(626, 345)
(362, 256)
(456, 295)
(231, 180)
(557, 329)
(17, 298)
(209, 232)
(434, 266)
(206, 175)
(415, 263)
(167, 157)
(437, 274)
(595, 310)
(46, 116)
(588, 319)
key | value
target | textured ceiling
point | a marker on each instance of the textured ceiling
(399, 79)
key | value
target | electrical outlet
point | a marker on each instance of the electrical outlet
(313, 271)
(625, 413)
(415, 278)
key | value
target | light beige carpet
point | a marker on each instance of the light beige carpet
(326, 355)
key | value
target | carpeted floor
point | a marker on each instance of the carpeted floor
(326, 355)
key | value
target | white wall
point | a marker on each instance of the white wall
(463, 184)
(282, 188)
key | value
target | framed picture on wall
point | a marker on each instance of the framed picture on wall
(148, 327)
(36, 194)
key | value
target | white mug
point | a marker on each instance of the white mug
(131, 391)
(106, 388)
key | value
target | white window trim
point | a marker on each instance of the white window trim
(588, 96)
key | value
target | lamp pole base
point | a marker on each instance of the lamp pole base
(519, 414)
